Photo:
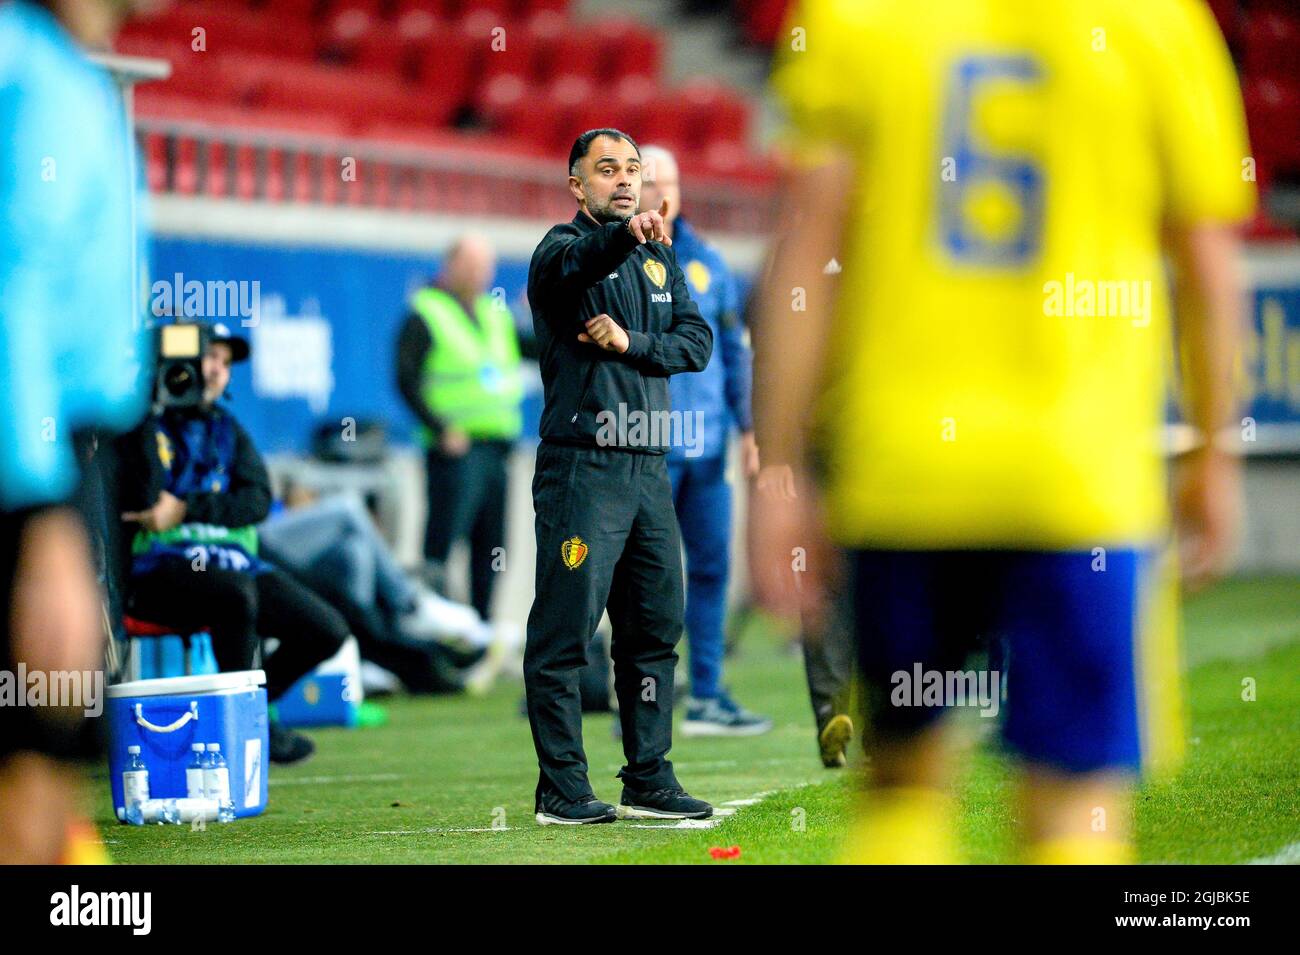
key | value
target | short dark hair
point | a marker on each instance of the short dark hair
(583, 143)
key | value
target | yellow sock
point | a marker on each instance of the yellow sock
(903, 826)
(1099, 849)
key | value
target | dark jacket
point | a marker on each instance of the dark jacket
(144, 475)
(580, 270)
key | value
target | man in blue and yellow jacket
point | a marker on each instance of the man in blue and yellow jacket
(712, 401)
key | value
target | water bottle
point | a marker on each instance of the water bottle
(161, 811)
(196, 810)
(194, 773)
(216, 779)
(168, 813)
(135, 779)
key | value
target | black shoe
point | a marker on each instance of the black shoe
(289, 747)
(555, 810)
(662, 804)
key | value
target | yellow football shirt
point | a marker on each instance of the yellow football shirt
(1002, 321)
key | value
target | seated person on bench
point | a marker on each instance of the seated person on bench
(332, 545)
(195, 487)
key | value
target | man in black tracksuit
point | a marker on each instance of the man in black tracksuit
(613, 319)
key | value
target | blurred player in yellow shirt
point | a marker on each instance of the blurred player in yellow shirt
(982, 384)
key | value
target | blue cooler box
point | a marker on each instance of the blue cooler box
(330, 695)
(166, 717)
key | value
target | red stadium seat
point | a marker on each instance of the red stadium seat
(712, 111)
(440, 9)
(443, 61)
(358, 96)
(626, 48)
(662, 123)
(1273, 117)
(346, 31)
(526, 7)
(291, 12)
(1271, 46)
(513, 108)
(224, 29)
(499, 10)
(561, 49)
(762, 19)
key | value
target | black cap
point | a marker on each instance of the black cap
(239, 349)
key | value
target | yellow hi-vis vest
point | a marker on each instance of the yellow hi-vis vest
(471, 374)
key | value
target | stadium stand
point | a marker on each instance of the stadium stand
(417, 87)
(263, 97)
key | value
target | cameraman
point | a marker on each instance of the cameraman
(201, 488)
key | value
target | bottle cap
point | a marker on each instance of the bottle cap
(214, 747)
(133, 750)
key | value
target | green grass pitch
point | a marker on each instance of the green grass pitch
(451, 779)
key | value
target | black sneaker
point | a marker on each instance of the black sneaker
(555, 810)
(662, 804)
(289, 747)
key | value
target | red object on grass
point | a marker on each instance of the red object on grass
(725, 852)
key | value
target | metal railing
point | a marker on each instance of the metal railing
(217, 161)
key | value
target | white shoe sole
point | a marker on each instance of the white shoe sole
(701, 728)
(545, 819)
(636, 812)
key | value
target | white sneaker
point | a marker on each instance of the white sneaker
(443, 620)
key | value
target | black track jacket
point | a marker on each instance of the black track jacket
(579, 270)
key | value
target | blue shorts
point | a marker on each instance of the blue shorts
(1062, 632)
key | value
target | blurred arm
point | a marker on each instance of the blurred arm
(789, 346)
(1208, 316)
(413, 345)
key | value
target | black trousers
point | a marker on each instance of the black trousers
(830, 655)
(238, 609)
(607, 538)
(467, 498)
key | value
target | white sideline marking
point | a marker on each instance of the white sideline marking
(330, 780)
(1287, 855)
(412, 832)
(719, 814)
(684, 824)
